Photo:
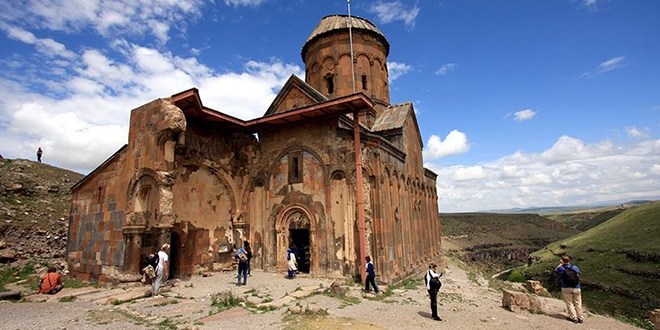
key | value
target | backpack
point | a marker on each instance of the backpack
(434, 282)
(241, 256)
(152, 260)
(570, 277)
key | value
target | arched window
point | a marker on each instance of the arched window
(330, 84)
(364, 81)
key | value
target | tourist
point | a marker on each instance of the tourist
(241, 257)
(371, 276)
(569, 276)
(291, 263)
(433, 291)
(39, 153)
(248, 252)
(162, 270)
(51, 283)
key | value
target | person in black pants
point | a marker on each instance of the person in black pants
(433, 293)
(371, 276)
(248, 251)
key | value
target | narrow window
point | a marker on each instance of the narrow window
(295, 167)
(330, 84)
(364, 81)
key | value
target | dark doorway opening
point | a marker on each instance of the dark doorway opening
(300, 240)
(175, 246)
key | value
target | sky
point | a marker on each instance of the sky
(520, 103)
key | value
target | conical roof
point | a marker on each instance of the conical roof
(332, 23)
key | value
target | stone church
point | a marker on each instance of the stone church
(205, 181)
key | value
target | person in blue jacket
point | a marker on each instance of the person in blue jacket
(570, 289)
(371, 276)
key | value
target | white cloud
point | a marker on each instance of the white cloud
(388, 12)
(446, 68)
(397, 70)
(636, 133)
(469, 173)
(85, 118)
(455, 143)
(570, 172)
(591, 5)
(237, 3)
(611, 64)
(107, 17)
(45, 46)
(522, 115)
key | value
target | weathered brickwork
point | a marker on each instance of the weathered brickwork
(204, 181)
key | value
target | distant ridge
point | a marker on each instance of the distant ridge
(575, 208)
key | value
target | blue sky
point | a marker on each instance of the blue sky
(520, 103)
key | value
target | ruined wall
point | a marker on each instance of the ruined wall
(95, 245)
(112, 209)
(212, 176)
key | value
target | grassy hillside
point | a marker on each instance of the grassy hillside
(34, 193)
(619, 259)
(495, 241)
(584, 220)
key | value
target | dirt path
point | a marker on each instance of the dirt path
(465, 302)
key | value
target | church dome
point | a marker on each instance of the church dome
(333, 23)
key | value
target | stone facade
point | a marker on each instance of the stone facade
(203, 181)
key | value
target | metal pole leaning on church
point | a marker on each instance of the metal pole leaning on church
(360, 194)
(358, 161)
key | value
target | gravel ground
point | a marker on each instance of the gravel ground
(464, 303)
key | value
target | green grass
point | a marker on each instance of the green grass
(619, 260)
(224, 302)
(516, 276)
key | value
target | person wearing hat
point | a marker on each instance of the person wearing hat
(162, 270)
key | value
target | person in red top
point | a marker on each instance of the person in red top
(51, 283)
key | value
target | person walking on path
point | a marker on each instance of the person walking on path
(241, 256)
(248, 252)
(571, 291)
(433, 291)
(39, 153)
(371, 276)
(51, 283)
(291, 263)
(162, 270)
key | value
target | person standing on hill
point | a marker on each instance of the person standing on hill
(433, 289)
(39, 153)
(569, 276)
(162, 270)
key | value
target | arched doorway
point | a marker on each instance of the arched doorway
(299, 238)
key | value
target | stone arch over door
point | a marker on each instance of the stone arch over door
(294, 218)
(142, 211)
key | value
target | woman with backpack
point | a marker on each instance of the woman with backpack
(432, 280)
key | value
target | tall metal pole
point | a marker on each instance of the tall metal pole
(360, 195)
(350, 41)
(358, 162)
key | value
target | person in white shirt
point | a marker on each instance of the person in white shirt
(162, 270)
(433, 293)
